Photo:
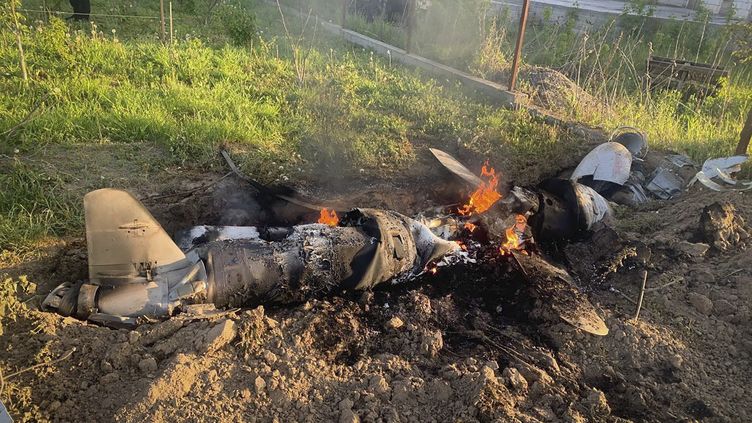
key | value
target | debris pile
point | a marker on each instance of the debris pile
(622, 171)
(501, 335)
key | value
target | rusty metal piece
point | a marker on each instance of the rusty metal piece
(518, 45)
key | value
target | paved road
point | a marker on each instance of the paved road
(614, 7)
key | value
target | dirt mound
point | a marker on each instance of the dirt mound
(552, 90)
(461, 345)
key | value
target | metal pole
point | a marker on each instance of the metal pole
(172, 34)
(518, 46)
(410, 24)
(162, 19)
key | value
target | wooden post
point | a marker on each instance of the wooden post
(21, 56)
(746, 134)
(642, 294)
(410, 25)
(343, 21)
(518, 46)
(172, 34)
(162, 19)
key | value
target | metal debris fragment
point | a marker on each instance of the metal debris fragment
(454, 166)
(633, 139)
(665, 184)
(610, 162)
(722, 168)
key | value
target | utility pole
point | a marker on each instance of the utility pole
(741, 148)
(518, 46)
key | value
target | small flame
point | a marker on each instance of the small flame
(486, 195)
(470, 226)
(513, 241)
(328, 217)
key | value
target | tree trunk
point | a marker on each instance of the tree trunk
(741, 148)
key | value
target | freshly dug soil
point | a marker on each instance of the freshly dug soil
(463, 345)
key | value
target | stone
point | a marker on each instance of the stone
(148, 365)
(347, 416)
(366, 298)
(394, 323)
(431, 343)
(133, 337)
(547, 361)
(487, 373)
(534, 374)
(692, 249)
(109, 378)
(421, 303)
(515, 379)
(345, 404)
(260, 384)
(701, 303)
(596, 401)
(219, 336)
(723, 307)
(400, 390)
(722, 226)
(676, 361)
(161, 331)
(439, 389)
(703, 276)
(270, 357)
(378, 384)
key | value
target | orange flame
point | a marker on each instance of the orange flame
(486, 195)
(513, 242)
(470, 226)
(328, 217)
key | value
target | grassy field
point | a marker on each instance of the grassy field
(608, 62)
(111, 95)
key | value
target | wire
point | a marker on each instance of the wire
(57, 12)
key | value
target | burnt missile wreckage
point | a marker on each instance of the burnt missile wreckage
(139, 274)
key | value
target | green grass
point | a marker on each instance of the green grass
(286, 105)
(608, 62)
(33, 205)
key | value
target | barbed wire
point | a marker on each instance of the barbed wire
(59, 12)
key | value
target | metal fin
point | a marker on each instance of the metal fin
(556, 289)
(454, 166)
(123, 238)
